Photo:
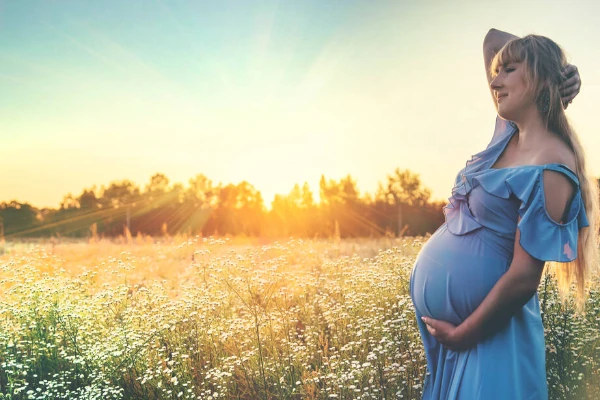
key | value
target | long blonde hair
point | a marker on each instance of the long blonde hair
(545, 60)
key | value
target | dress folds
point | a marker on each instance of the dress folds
(466, 256)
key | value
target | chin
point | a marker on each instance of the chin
(506, 114)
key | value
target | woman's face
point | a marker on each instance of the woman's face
(512, 93)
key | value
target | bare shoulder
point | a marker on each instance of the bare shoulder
(556, 151)
(558, 188)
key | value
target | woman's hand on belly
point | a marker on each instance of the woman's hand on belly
(449, 335)
(510, 293)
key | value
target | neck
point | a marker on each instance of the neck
(532, 129)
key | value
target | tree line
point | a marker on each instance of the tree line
(400, 206)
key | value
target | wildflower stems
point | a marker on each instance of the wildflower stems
(297, 320)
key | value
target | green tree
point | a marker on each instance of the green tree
(119, 194)
(88, 200)
(18, 219)
(404, 187)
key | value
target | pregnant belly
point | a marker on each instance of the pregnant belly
(453, 274)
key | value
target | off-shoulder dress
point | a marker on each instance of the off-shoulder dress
(465, 257)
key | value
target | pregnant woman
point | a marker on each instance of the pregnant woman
(524, 200)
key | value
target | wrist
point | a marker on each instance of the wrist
(468, 333)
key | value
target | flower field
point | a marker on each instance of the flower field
(205, 318)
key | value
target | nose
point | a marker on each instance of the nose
(495, 83)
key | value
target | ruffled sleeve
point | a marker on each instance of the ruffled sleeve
(541, 236)
(502, 128)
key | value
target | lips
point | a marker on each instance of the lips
(500, 96)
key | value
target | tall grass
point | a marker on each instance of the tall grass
(211, 319)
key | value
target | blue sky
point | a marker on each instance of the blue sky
(272, 92)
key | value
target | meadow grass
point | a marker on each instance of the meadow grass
(205, 318)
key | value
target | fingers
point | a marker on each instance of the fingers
(438, 335)
(429, 323)
(566, 101)
(431, 330)
(570, 88)
(568, 98)
(571, 83)
(569, 70)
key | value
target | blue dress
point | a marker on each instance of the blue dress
(465, 257)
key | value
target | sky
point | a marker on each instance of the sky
(270, 92)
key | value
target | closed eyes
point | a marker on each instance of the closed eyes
(506, 69)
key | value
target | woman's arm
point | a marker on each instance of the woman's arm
(513, 289)
(492, 43)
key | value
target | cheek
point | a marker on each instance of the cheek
(520, 94)
(525, 92)
(526, 97)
